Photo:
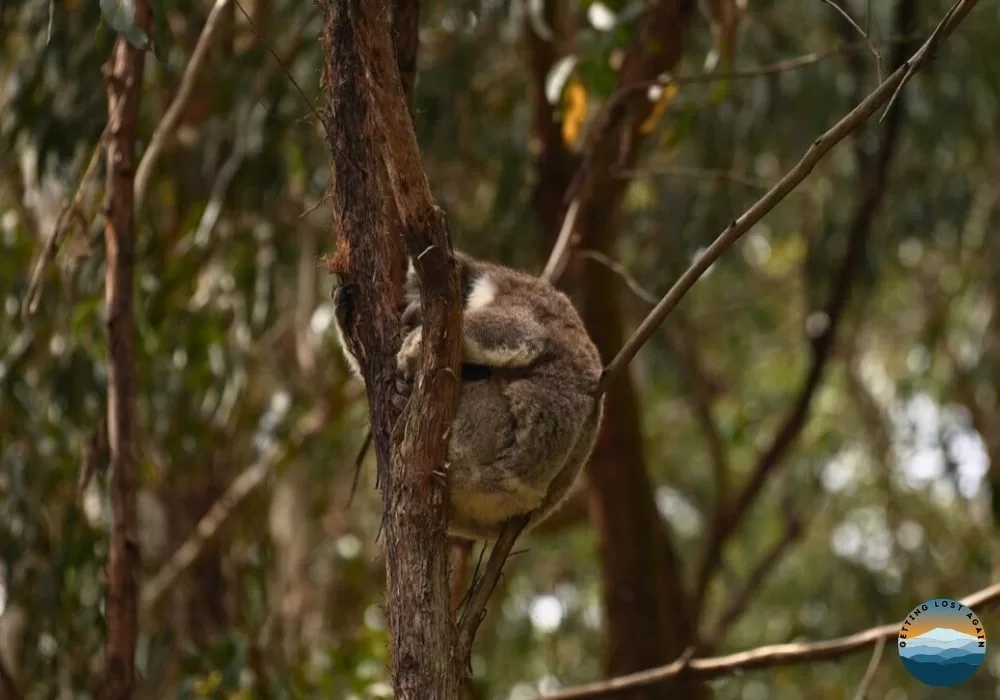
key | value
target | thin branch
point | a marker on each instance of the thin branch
(699, 393)
(461, 560)
(281, 64)
(820, 147)
(207, 527)
(761, 657)
(209, 524)
(71, 212)
(482, 587)
(741, 599)
(168, 124)
(873, 186)
(871, 47)
(869, 677)
(951, 19)
(559, 257)
(631, 282)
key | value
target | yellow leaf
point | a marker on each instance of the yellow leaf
(207, 685)
(574, 111)
(658, 109)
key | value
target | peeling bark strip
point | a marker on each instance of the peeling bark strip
(124, 82)
(383, 209)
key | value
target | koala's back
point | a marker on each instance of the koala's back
(570, 353)
(522, 433)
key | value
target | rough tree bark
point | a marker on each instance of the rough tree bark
(124, 82)
(379, 190)
(640, 571)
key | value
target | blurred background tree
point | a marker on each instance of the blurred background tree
(880, 469)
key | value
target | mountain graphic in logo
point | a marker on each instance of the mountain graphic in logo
(942, 643)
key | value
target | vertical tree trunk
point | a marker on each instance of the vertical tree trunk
(382, 208)
(124, 82)
(646, 619)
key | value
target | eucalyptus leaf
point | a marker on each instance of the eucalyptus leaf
(121, 16)
(601, 17)
(555, 81)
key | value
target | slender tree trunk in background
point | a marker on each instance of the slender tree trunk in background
(645, 602)
(124, 83)
(646, 610)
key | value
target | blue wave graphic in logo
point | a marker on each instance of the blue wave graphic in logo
(943, 657)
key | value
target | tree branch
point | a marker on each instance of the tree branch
(482, 587)
(209, 524)
(741, 599)
(819, 148)
(124, 85)
(168, 124)
(866, 681)
(761, 657)
(873, 186)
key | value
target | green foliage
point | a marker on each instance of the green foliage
(235, 353)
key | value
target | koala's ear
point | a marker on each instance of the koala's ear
(343, 302)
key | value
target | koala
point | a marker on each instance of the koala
(528, 413)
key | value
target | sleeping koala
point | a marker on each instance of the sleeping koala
(527, 416)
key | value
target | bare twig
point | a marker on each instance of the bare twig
(820, 147)
(631, 282)
(482, 587)
(71, 212)
(559, 257)
(281, 64)
(868, 41)
(741, 599)
(205, 530)
(165, 129)
(461, 556)
(209, 524)
(761, 657)
(869, 677)
(951, 19)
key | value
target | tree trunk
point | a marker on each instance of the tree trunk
(383, 210)
(124, 82)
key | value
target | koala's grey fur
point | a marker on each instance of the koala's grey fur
(527, 418)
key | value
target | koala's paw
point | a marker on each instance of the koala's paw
(407, 361)
(401, 396)
(408, 357)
